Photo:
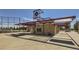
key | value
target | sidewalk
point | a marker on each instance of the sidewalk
(75, 37)
(36, 42)
(14, 43)
(35, 37)
(62, 35)
(62, 38)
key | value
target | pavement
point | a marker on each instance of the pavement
(36, 37)
(75, 37)
(62, 38)
(62, 35)
(25, 42)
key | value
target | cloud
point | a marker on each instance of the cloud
(27, 19)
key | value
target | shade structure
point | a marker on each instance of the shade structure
(63, 20)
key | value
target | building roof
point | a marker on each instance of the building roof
(65, 17)
(44, 21)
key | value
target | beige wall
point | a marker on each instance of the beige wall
(48, 28)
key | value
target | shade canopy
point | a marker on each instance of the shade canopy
(63, 20)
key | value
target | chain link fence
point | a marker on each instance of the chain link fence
(9, 24)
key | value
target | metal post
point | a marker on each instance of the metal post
(19, 24)
(8, 23)
(13, 24)
(23, 26)
(1, 23)
(43, 28)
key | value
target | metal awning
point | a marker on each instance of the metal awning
(64, 20)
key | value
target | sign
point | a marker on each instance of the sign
(36, 13)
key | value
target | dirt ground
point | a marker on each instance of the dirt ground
(8, 42)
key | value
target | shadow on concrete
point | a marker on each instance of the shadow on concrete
(62, 41)
(22, 34)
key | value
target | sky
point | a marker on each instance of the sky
(52, 13)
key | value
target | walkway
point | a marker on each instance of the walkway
(9, 42)
(75, 37)
(35, 42)
(63, 38)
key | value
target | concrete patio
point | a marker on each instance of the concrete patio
(31, 42)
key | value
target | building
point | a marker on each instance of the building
(49, 26)
(76, 26)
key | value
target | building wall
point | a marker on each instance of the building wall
(46, 28)
(39, 28)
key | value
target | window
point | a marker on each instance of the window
(38, 29)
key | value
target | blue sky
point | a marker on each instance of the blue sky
(52, 13)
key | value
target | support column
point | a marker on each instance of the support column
(55, 29)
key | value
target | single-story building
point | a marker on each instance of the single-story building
(49, 26)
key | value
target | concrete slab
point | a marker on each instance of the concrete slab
(75, 37)
(14, 43)
(62, 35)
(36, 37)
(62, 38)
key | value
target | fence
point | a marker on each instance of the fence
(8, 24)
